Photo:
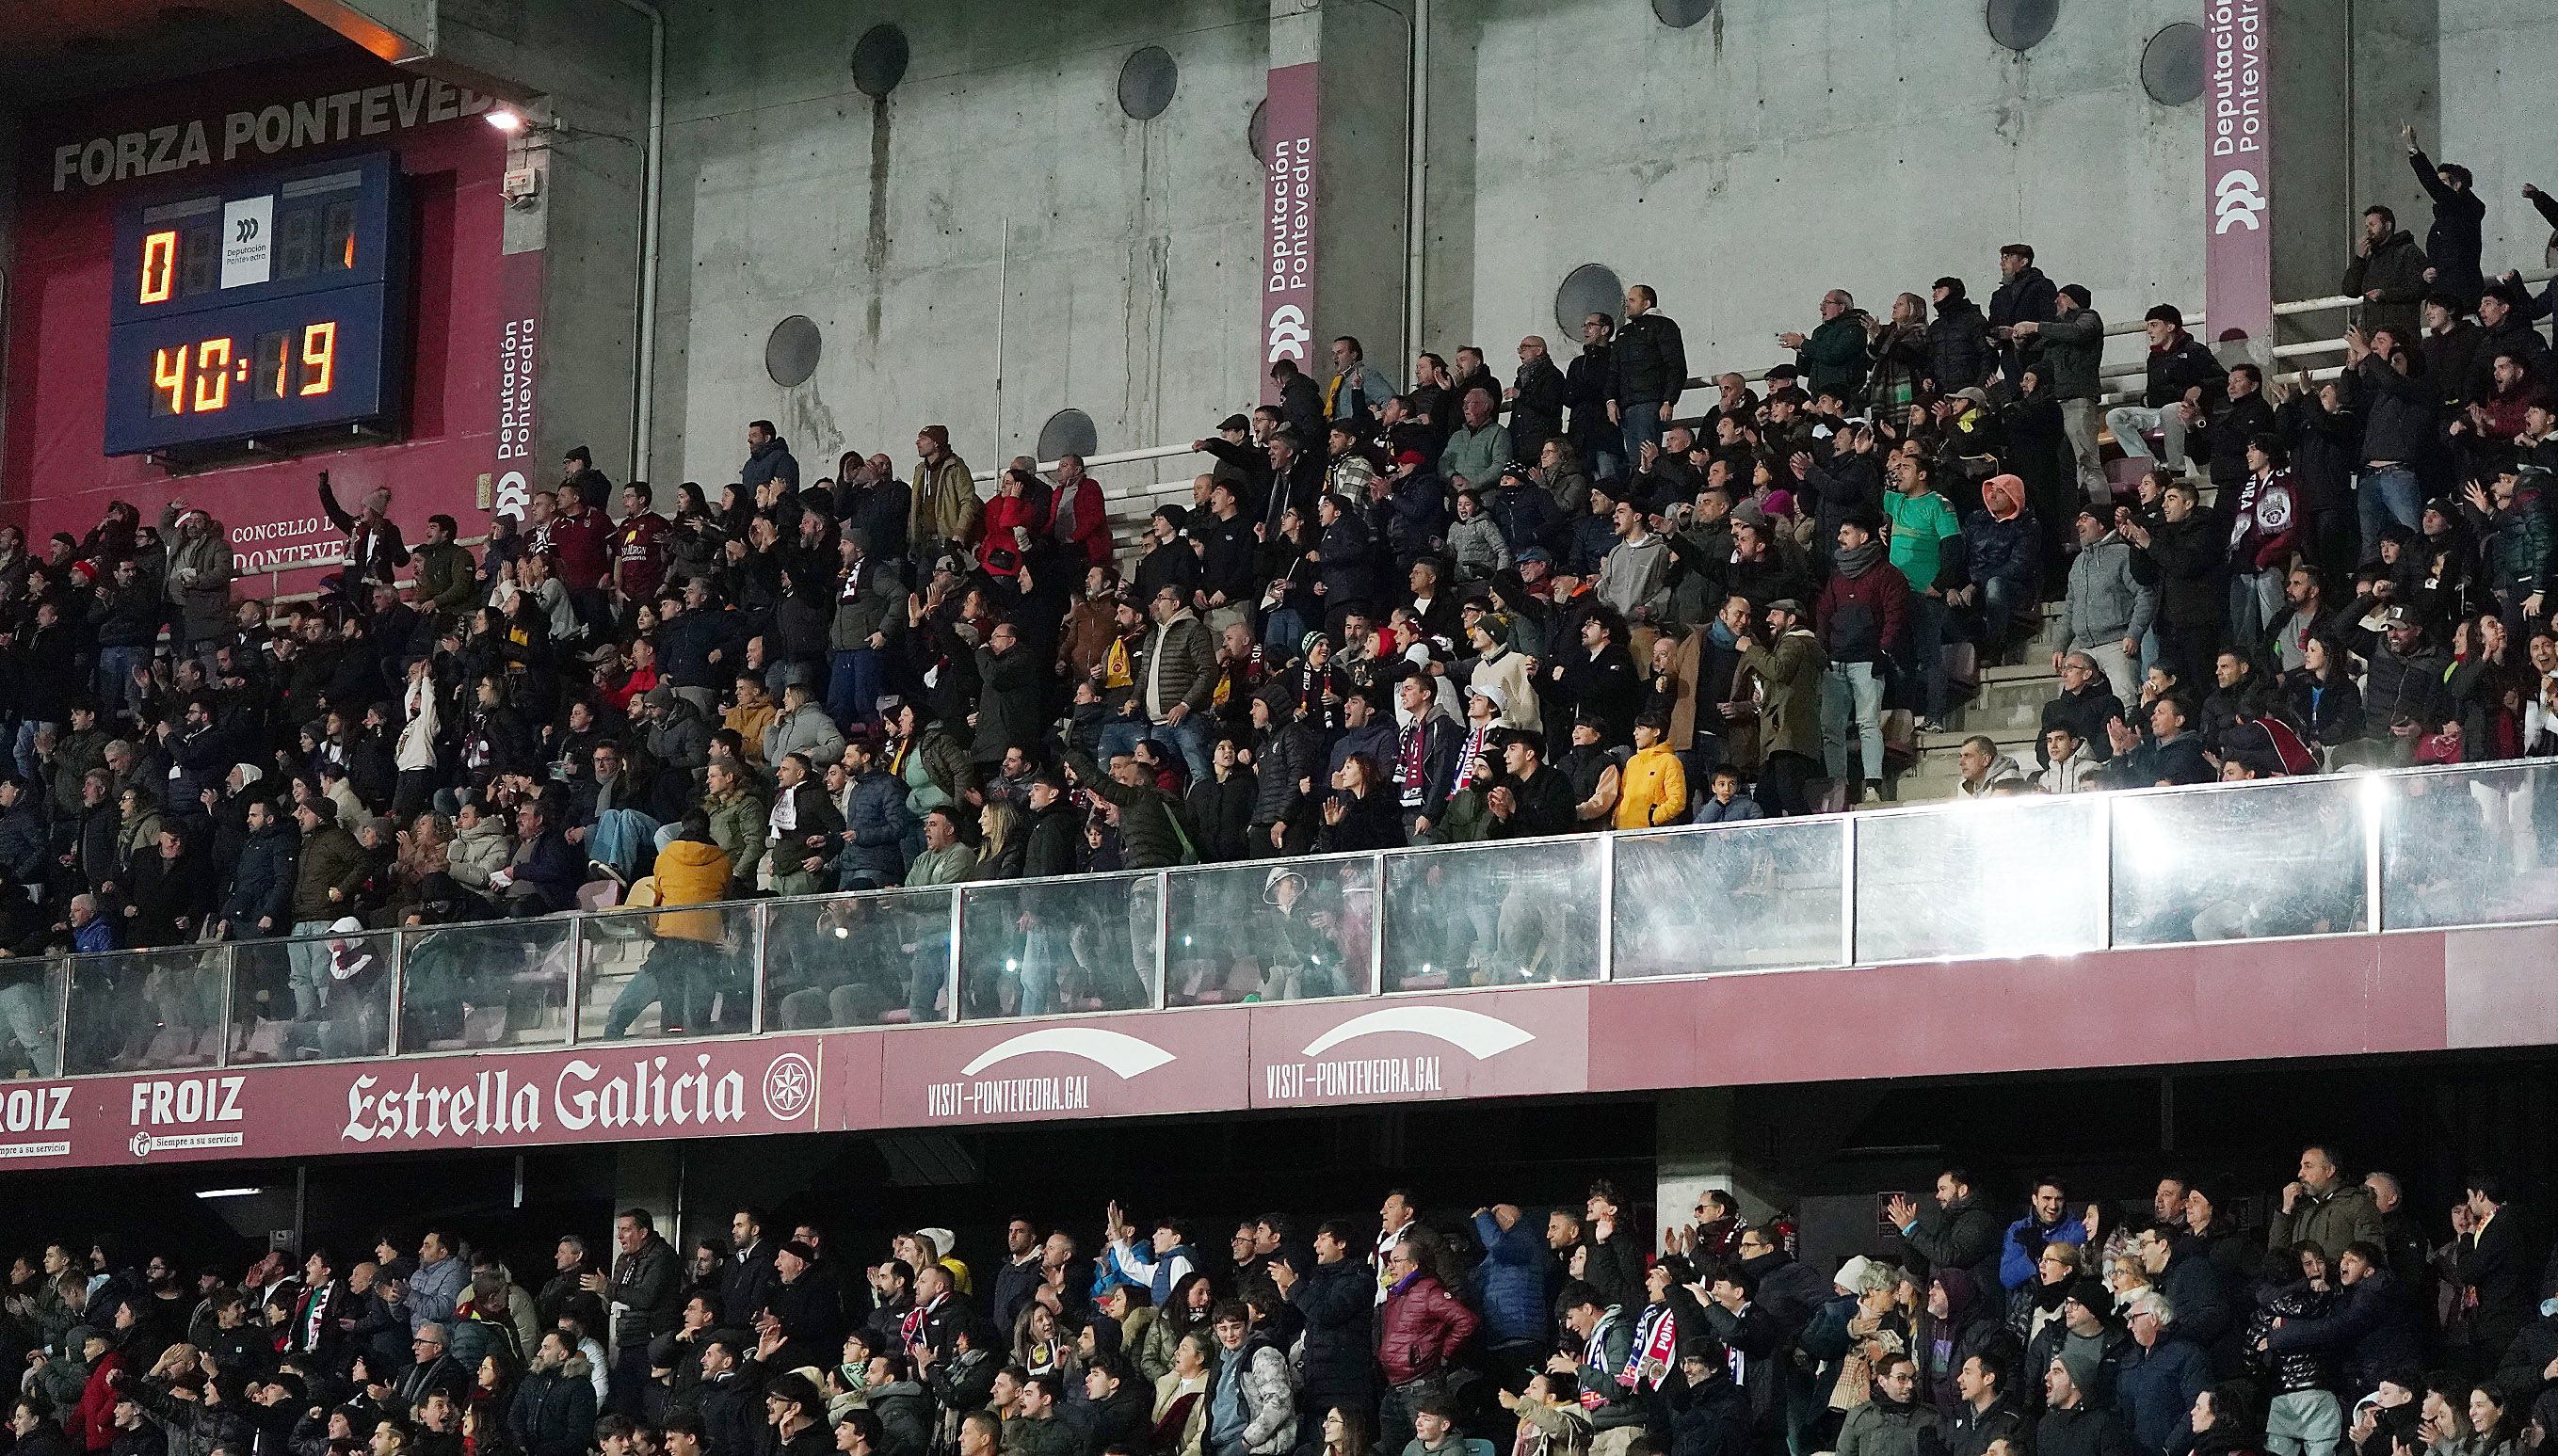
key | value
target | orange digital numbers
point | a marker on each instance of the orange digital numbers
(213, 375)
(168, 382)
(159, 266)
(318, 356)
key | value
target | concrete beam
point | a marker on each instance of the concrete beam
(400, 32)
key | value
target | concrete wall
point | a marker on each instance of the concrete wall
(1741, 165)
(1746, 163)
(999, 180)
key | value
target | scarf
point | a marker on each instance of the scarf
(1595, 1356)
(1476, 733)
(1409, 774)
(1851, 563)
(1655, 1348)
(1722, 637)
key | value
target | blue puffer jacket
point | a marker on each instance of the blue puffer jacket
(876, 815)
(2025, 1243)
(2005, 549)
(1510, 1285)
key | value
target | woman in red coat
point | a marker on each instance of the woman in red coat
(1015, 519)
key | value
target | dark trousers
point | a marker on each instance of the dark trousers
(630, 1382)
(1781, 783)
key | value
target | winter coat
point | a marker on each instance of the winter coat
(2399, 412)
(875, 814)
(1151, 834)
(2086, 1429)
(1420, 1328)
(1789, 685)
(1959, 355)
(1648, 361)
(2157, 1389)
(1861, 619)
(1510, 1285)
(200, 575)
(2344, 1215)
(1879, 1429)
(1178, 664)
(2183, 365)
(1260, 1373)
(1962, 1235)
(805, 729)
(330, 858)
(2395, 269)
(2073, 350)
(553, 1412)
(1477, 548)
(2108, 602)
(771, 460)
(691, 873)
(944, 505)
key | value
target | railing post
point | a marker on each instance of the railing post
(1847, 890)
(394, 1014)
(758, 926)
(2375, 808)
(1376, 932)
(62, 1022)
(1163, 939)
(575, 975)
(1607, 904)
(2105, 872)
(950, 986)
(223, 1005)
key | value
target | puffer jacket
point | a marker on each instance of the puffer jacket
(553, 1412)
(876, 814)
(2108, 600)
(1338, 1302)
(1510, 1283)
(691, 873)
(1261, 1373)
(1280, 758)
(808, 729)
(478, 852)
(1477, 548)
(2297, 1365)
(1420, 1328)
(1958, 345)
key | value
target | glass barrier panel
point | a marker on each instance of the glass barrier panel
(323, 996)
(1753, 896)
(145, 1011)
(1058, 947)
(686, 972)
(1272, 932)
(2280, 857)
(2006, 875)
(1493, 915)
(2469, 847)
(486, 983)
(31, 1008)
(865, 960)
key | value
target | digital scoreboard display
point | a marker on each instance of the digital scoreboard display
(274, 304)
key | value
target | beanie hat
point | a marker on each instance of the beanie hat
(937, 434)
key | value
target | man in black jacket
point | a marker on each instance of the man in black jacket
(2183, 379)
(2024, 295)
(643, 1290)
(1647, 371)
(1530, 799)
(1535, 397)
(1959, 1233)
(1586, 388)
(1338, 1299)
(2387, 273)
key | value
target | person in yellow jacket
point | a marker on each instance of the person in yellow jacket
(690, 870)
(1652, 786)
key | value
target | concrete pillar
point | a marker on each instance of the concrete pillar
(1696, 1139)
(1361, 54)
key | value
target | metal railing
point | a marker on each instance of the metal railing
(1996, 877)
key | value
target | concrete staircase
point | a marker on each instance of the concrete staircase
(2007, 710)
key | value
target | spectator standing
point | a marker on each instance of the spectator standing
(1647, 371)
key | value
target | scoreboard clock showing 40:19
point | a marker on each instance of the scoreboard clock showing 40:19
(275, 306)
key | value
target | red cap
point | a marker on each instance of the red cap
(1409, 457)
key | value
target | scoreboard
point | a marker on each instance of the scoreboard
(275, 304)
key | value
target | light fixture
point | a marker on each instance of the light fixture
(228, 1192)
(505, 118)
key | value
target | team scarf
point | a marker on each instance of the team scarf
(1655, 1348)
(1475, 736)
(1595, 1357)
(1410, 773)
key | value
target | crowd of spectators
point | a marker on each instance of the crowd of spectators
(1452, 611)
(2343, 1322)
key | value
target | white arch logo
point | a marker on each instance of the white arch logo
(1472, 1032)
(2237, 200)
(1289, 332)
(1123, 1054)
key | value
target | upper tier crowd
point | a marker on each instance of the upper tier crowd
(1454, 610)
